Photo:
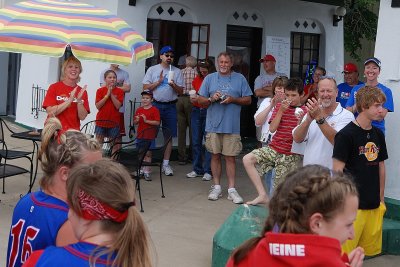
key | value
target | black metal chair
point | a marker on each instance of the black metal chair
(106, 141)
(131, 154)
(6, 154)
(158, 153)
(133, 106)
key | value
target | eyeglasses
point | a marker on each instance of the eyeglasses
(169, 55)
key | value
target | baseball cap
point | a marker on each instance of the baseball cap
(166, 49)
(373, 59)
(147, 92)
(268, 57)
(350, 67)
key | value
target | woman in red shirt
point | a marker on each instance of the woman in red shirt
(65, 99)
(310, 215)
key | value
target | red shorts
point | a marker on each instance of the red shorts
(122, 124)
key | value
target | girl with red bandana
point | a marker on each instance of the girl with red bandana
(109, 228)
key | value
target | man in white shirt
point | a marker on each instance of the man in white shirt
(325, 117)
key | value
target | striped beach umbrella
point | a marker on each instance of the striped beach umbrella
(47, 27)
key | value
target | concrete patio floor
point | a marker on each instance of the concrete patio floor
(181, 225)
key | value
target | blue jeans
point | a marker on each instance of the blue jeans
(198, 123)
(269, 181)
(168, 116)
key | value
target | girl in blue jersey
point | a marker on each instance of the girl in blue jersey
(40, 218)
(109, 228)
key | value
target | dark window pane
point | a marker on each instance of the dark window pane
(306, 56)
(296, 56)
(315, 55)
(315, 42)
(307, 42)
(296, 40)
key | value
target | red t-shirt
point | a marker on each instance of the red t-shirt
(152, 114)
(297, 250)
(57, 94)
(283, 138)
(108, 111)
(198, 80)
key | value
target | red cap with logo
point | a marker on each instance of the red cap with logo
(268, 57)
(349, 67)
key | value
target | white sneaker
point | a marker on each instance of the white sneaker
(146, 176)
(192, 174)
(167, 170)
(214, 193)
(207, 177)
(235, 197)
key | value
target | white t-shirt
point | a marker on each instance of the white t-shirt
(264, 104)
(318, 149)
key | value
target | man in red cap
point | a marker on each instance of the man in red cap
(350, 72)
(263, 82)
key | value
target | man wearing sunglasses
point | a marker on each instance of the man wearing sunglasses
(165, 82)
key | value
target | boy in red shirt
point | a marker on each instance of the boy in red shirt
(278, 153)
(146, 117)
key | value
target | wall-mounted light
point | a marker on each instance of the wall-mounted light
(338, 15)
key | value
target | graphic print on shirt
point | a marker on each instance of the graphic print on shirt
(65, 98)
(29, 235)
(370, 151)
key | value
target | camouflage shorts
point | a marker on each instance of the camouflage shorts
(268, 159)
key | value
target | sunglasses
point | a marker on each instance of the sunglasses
(169, 55)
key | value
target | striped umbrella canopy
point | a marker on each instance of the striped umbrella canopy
(47, 27)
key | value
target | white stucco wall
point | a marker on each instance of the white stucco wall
(277, 19)
(387, 50)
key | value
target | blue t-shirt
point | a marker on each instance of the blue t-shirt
(344, 91)
(164, 92)
(36, 220)
(72, 255)
(224, 118)
(388, 104)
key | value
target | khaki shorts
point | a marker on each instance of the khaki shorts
(225, 144)
(367, 231)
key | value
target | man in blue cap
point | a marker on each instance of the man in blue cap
(165, 82)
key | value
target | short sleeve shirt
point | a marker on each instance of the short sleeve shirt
(122, 78)
(224, 118)
(164, 92)
(361, 151)
(388, 104)
(57, 94)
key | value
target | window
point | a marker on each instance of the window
(304, 49)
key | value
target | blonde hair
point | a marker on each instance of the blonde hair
(61, 149)
(110, 183)
(69, 60)
(305, 191)
(367, 96)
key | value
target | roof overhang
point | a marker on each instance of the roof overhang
(327, 2)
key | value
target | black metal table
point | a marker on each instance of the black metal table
(35, 137)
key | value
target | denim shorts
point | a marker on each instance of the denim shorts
(107, 132)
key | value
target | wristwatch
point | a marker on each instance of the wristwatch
(320, 121)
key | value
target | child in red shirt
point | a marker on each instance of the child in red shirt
(108, 101)
(146, 117)
(310, 214)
